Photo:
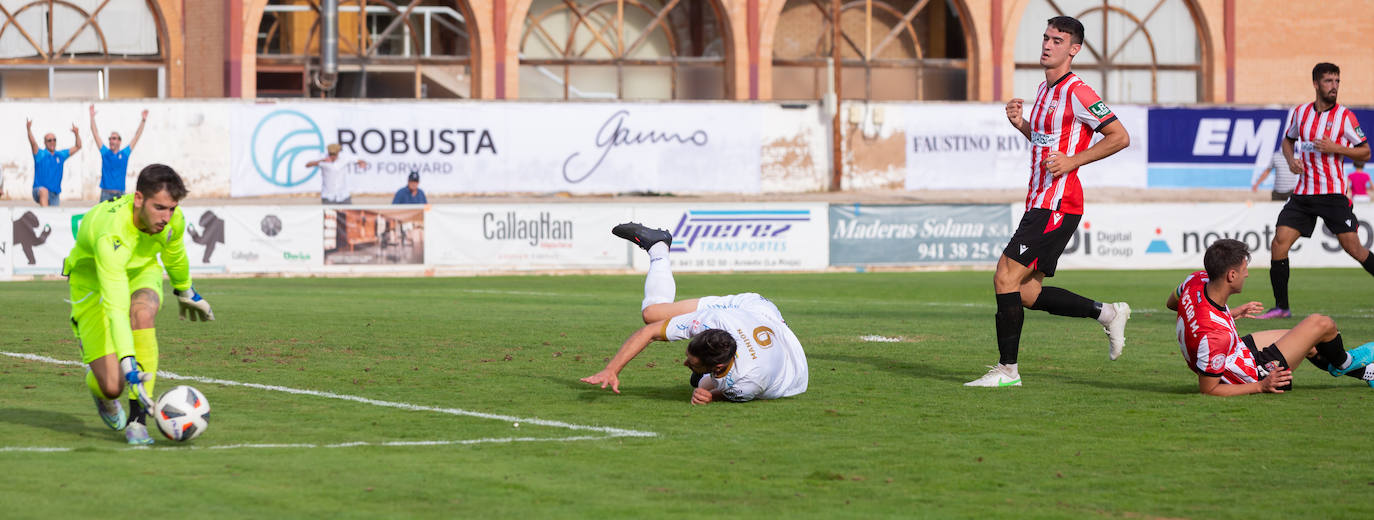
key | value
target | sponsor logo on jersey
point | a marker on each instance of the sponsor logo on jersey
(1218, 361)
(1100, 110)
(763, 336)
(1023, 248)
(1046, 140)
(1360, 132)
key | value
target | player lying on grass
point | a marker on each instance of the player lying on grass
(1229, 364)
(740, 348)
(116, 290)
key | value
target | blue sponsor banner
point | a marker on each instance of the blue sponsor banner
(1211, 147)
(1215, 147)
(918, 234)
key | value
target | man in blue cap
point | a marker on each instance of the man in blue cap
(411, 194)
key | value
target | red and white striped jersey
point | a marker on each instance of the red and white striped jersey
(1063, 118)
(1207, 335)
(1323, 173)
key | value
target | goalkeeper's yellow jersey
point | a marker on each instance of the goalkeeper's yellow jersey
(109, 248)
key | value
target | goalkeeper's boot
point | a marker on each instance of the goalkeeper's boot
(137, 434)
(111, 412)
(1359, 357)
(642, 236)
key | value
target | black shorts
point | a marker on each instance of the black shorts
(1040, 239)
(1268, 359)
(1335, 210)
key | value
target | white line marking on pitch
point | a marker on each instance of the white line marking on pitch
(880, 339)
(608, 431)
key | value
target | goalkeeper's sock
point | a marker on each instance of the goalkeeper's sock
(659, 286)
(136, 411)
(145, 351)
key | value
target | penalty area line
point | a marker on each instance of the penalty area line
(608, 431)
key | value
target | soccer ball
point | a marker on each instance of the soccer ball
(182, 413)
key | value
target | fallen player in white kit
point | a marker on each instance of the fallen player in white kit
(740, 349)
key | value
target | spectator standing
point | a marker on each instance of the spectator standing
(1284, 178)
(114, 159)
(1359, 184)
(411, 194)
(333, 178)
(48, 162)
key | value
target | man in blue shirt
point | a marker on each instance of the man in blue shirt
(47, 165)
(411, 194)
(114, 161)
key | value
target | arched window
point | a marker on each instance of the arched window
(415, 49)
(623, 49)
(82, 49)
(890, 50)
(1142, 51)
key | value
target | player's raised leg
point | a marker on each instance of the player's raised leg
(659, 286)
(1112, 316)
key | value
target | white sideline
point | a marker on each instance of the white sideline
(608, 431)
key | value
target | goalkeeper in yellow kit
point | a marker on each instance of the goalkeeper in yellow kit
(116, 289)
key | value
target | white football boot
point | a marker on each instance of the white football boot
(1116, 330)
(1000, 375)
(137, 434)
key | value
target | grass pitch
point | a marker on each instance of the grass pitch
(886, 429)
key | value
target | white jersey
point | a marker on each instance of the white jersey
(1285, 181)
(769, 362)
(334, 179)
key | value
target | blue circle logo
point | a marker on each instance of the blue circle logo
(286, 134)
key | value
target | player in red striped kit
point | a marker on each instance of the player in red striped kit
(1321, 135)
(1229, 364)
(1060, 128)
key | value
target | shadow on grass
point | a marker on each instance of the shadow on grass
(898, 366)
(662, 392)
(55, 421)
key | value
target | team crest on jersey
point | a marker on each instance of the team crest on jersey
(1100, 110)
(1218, 362)
(1054, 103)
(1329, 124)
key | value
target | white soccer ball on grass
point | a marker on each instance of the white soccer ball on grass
(182, 413)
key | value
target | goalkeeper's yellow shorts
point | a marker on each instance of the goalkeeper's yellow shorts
(88, 315)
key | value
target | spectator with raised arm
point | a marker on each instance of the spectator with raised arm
(114, 158)
(48, 162)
